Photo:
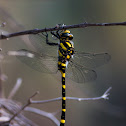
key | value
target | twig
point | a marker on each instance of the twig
(43, 113)
(104, 96)
(27, 104)
(15, 88)
(10, 107)
(3, 77)
(20, 53)
(82, 25)
(1, 88)
(49, 115)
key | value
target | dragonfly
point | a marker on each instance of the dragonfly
(51, 57)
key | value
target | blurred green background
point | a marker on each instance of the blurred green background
(30, 14)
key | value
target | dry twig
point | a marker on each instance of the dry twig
(50, 115)
(58, 27)
(15, 88)
(104, 96)
(27, 104)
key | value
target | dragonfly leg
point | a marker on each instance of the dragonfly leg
(56, 35)
(58, 32)
(47, 41)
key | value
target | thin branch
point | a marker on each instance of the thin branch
(27, 104)
(3, 77)
(1, 88)
(104, 96)
(49, 115)
(15, 88)
(58, 27)
(10, 107)
(20, 53)
(43, 113)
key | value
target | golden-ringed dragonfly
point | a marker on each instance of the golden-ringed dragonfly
(75, 65)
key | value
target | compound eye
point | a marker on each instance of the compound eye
(70, 38)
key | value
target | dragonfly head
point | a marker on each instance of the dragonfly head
(66, 35)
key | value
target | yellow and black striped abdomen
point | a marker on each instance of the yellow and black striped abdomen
(62, 122)
(65, 52)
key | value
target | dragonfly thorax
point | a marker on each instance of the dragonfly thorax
(65, 52)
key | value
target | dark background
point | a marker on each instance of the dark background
(30, 14)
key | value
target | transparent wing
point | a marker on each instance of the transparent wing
(75, 71)
(79, 73)
(39, 42)
(91, 60)
(40, 62)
